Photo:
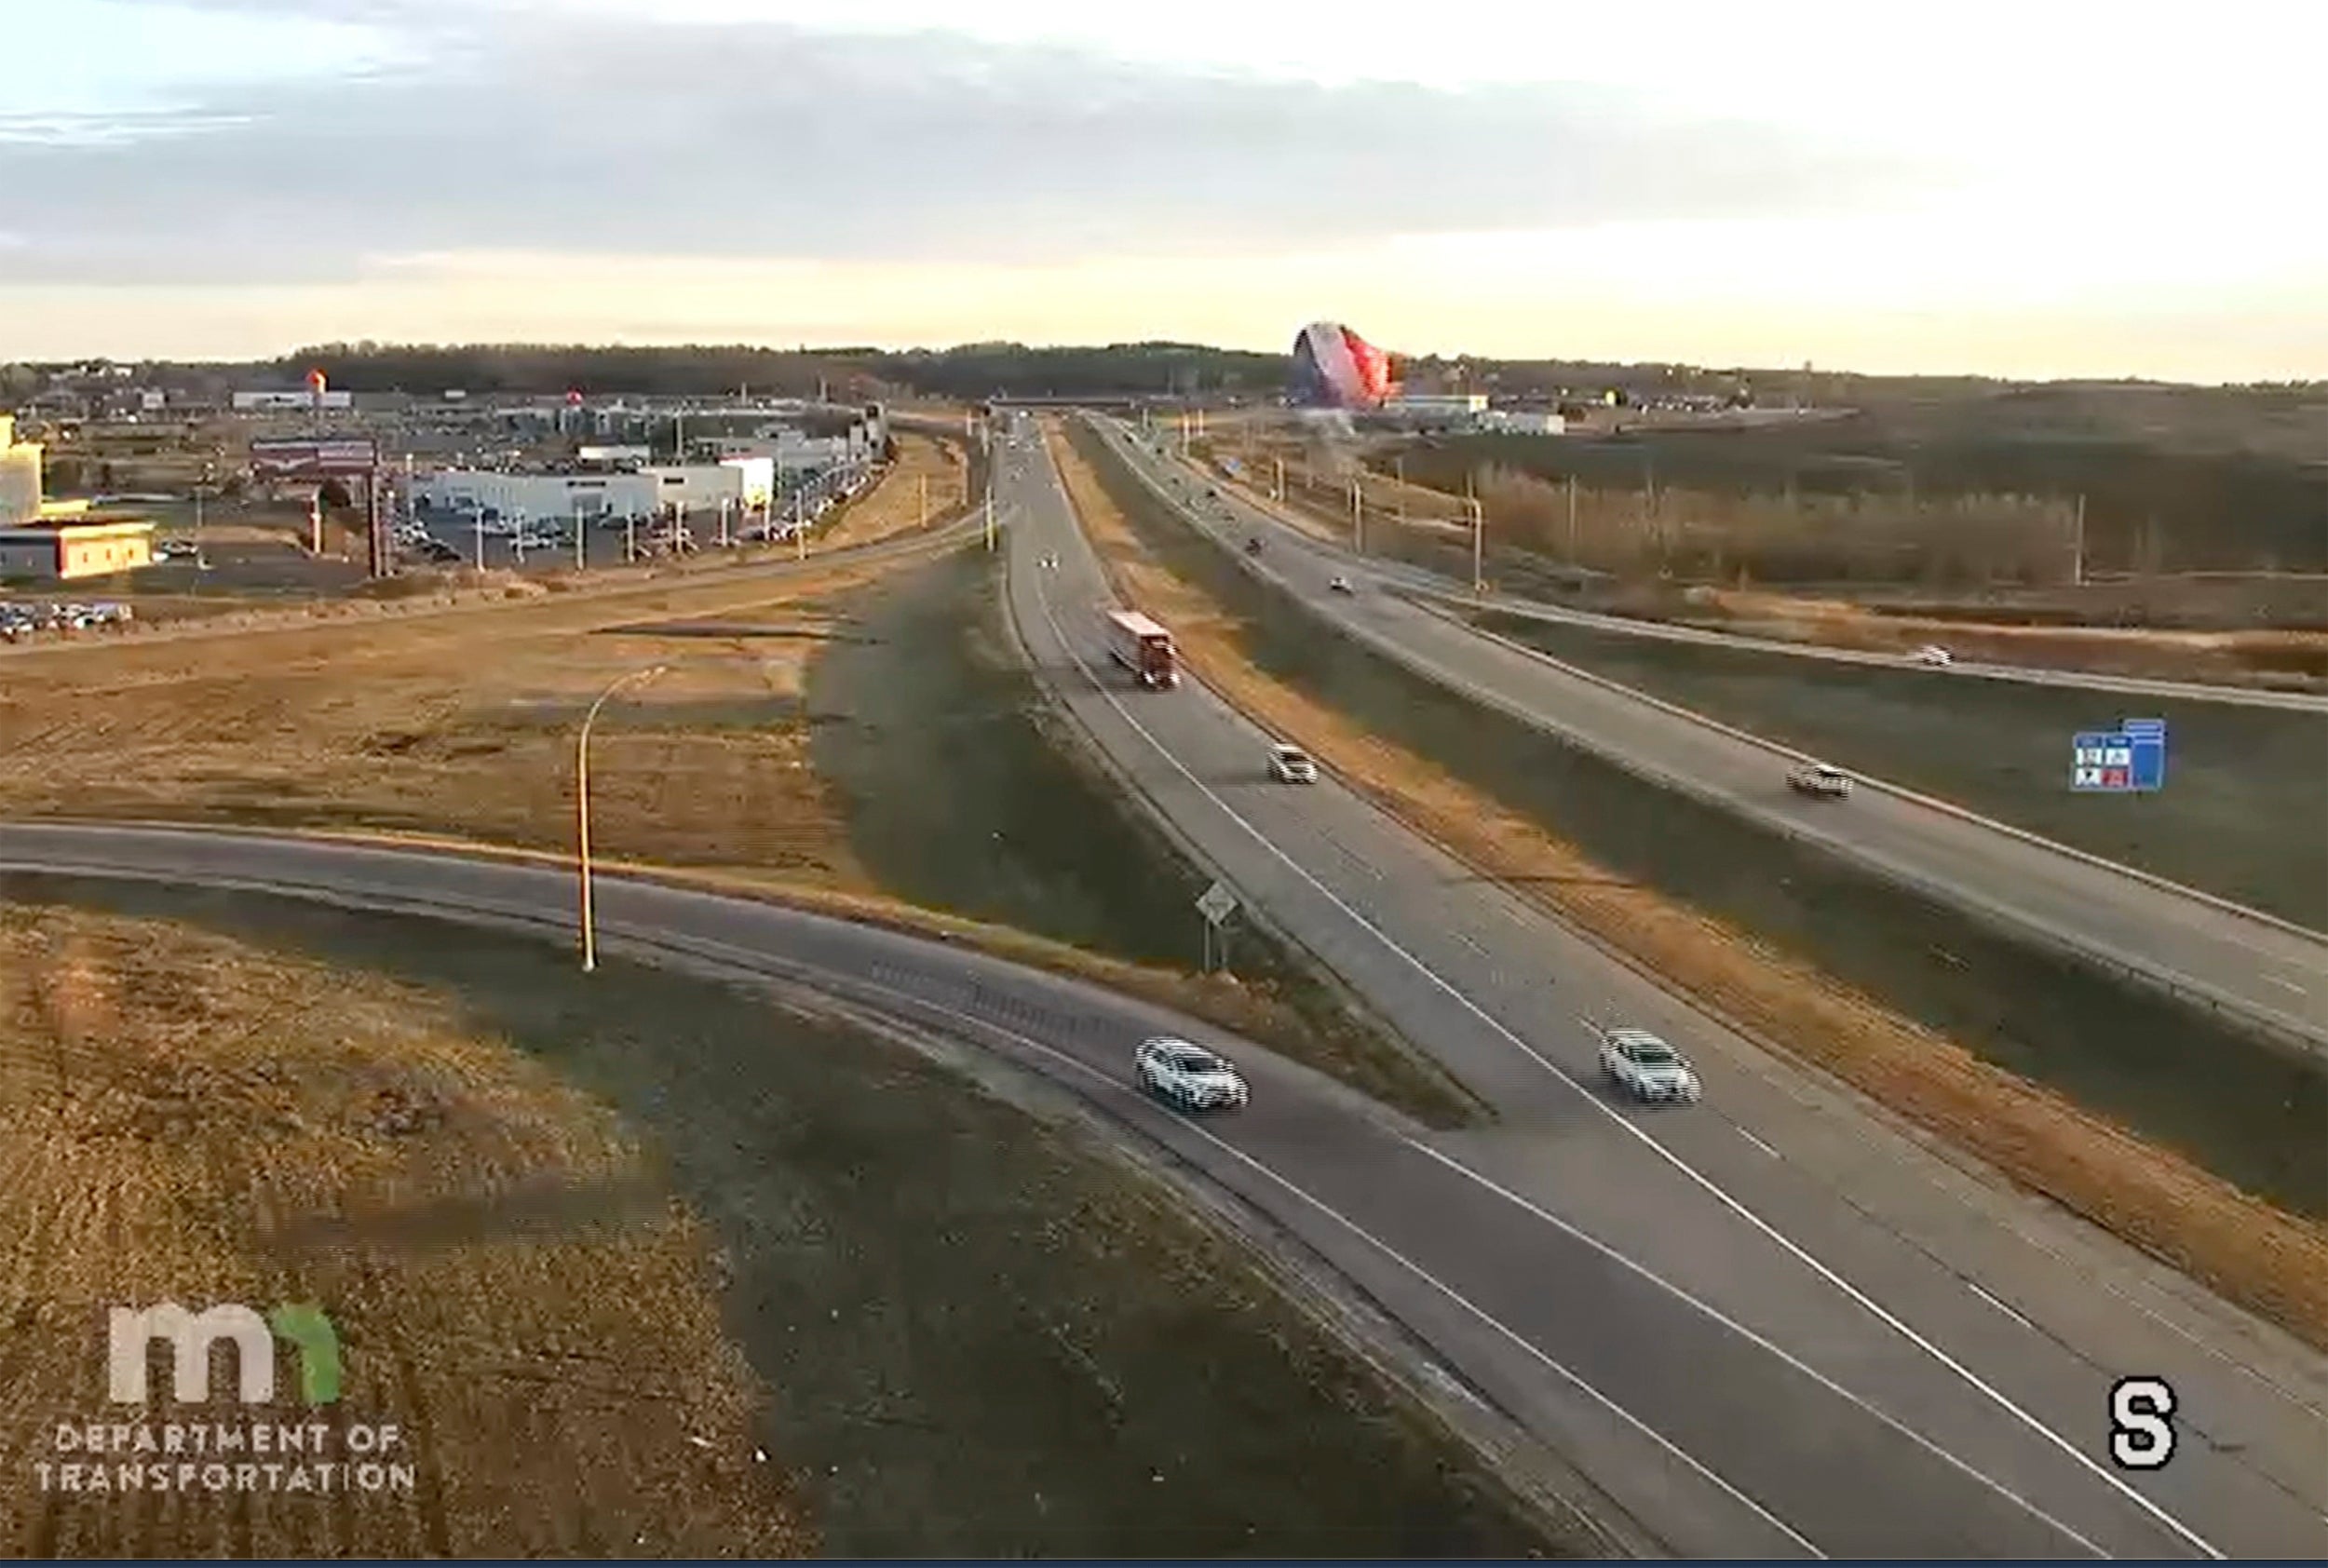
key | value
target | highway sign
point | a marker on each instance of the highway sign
(2128, 759)
(1217, 903)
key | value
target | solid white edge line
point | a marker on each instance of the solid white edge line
(1786, 1243)
(1749, 1335)
(1999, 1305)
(754, 962)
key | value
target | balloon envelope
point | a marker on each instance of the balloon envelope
(1336, 368)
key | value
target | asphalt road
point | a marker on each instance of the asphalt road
(2247, 963)
(1714, 1439)
(1904, 1293)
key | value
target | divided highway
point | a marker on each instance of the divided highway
(1981, 1331)
(2267, 970)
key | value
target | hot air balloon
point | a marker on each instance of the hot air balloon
(1334, 368)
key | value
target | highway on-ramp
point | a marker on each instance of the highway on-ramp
(2256, 967)
(1909, 1293)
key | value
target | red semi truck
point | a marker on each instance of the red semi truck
(1142, 647)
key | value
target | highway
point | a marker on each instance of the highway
(1822, 1237)
(2249, 963)
(1713, 1440)
(1447, 590)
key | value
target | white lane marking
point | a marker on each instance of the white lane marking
(1785, 1243)
(1757, 1143)
(1750, 1335)
(2289, 984)
(1999, 1305)
(756, 961)
(1471, 941)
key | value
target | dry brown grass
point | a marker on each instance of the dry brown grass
(459, 731)
(189, 1116)
(460, 725)
(928, 473)
(2216, 655)
(2251, 1251)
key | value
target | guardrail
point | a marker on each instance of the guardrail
(2278, 1029)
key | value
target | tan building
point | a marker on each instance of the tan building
(20, 475)
(59, 551)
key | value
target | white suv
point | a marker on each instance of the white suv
(1645, 1067)
(1291, 765)
(1188, 1075)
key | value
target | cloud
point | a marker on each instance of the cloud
(571, 131)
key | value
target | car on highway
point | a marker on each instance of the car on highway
(1935, 655)
(1818, 778)
(1291, 765)
(1647, 1068)
(1253, 546)
(1341, 584)
(1188, 1075)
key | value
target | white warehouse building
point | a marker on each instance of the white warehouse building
(735, 482)
(538, 496)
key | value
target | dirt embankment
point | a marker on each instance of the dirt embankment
(187, 1117)
(2249, 1250)
(604, 1248)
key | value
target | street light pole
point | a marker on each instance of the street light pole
(1479, 542)
(582, 809)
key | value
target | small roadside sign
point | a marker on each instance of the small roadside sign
(1217, 903)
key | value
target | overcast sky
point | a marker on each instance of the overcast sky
(2024, 189)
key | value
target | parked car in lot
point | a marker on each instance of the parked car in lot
(1188, 1075)
(1818, 778)
(1291, 765)
(1647, 1068)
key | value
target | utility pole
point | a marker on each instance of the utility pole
(1277, 484)
(1573, 560)
(582, 810)
(480, 538)
(2079, 537)
(990, 518)
(1398, 468)
(1358, 517)
(581, 532)
(630, 538)
(1479, 546)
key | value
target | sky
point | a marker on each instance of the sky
(2031, 189)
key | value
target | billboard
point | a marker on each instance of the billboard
(276, 460)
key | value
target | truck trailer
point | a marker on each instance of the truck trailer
(1142, 647)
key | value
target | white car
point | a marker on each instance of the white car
(1291, 765)
(1188, 1075)
(1819, 779)
(1341, 584)
(1935, 655)
(1645, 1067)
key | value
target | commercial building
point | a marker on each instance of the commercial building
(467, 491)
(268, 402)
(1461, 408)
(60, 550)
(734, 481)
(20, 475)
(1522, 421)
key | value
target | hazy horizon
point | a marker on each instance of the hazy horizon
(2023, 192)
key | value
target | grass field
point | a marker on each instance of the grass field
(799, 738)
(2237, 777)
(2063, 1080)
(644, 1266)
